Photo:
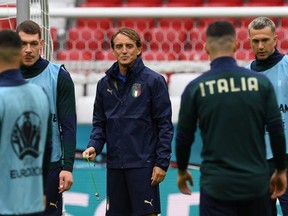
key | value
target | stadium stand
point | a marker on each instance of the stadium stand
(165, 38)
(104, 55)
(141, 3)
(141, 24)
(75, 55)
(257, 3)
(184, 3)
(82, 43)
(283, 22)
(224, 3)
(185, 24)
(85, 38)
(101, 3)
(158, 55)
(8, 23)
(96, 23)
(284, 44)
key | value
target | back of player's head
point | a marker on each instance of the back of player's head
(10, 46)
(220, 28)
(220, 38)
(10, 39)
(29, 27)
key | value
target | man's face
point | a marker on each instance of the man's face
(263, 42)
(125, 50)
(31, 48)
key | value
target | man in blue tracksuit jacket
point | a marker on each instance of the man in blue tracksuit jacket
(132, 114)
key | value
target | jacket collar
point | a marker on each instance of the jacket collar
(11, 77)
(136, 68)
(34, 70)
(262, 65)
(222, 62)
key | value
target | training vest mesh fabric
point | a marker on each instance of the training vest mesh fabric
(23, 133)
(48, 81)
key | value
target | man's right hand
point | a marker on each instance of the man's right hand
(89, 153)
(278, 183)
(184, 177)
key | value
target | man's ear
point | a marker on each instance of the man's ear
(139, 51)
(42, 43)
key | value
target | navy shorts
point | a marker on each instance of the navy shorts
(210, 206)
(54, 204)
(129, 192)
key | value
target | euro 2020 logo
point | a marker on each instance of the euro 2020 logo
(26, 135)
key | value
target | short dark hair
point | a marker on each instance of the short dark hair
(29, 27)
(10, 46)
(10, 39)
(220, 28)
(132, 34)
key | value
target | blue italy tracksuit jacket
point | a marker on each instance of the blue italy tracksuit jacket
(133, 118)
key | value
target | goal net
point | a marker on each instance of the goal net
(8, 19)
(36, 10)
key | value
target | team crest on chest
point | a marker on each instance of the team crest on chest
(136, 90)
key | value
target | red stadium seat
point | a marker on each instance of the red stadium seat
(8, 23)
(246, 45)
(158, 55)
(143, 3)
(184, 3)
(241, 54)
(251, 55)
(54, 37)
(72, 36)
(157, 36)
(193, 55)
(245, 21)
(85, 38)
(187, 55)
(101, 3)
(284, 44)
(224, 3)
(242, 34)
(177, 23)
(196, 39)
(265, 3)
(283, 22)
(203, 56)
(167, 39)
(105, 55)
(204, 22)
(75, 55)
(139, 24)
(98, 23)
(281, 33)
